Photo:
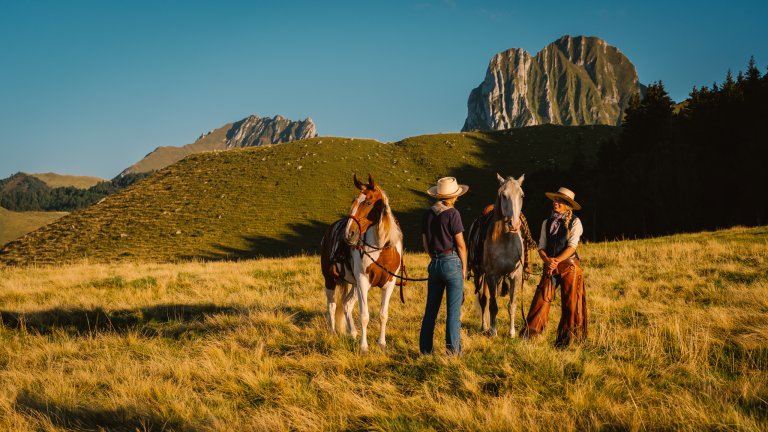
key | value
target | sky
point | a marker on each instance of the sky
(91, 87)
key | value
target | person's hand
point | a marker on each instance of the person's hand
(552, 264)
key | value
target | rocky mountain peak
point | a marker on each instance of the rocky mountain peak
(575, 80)
(248, 132)
(254, 130)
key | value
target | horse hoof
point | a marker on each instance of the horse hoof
(492, 332)
(364, 349)
(512, 333)
(383, 346)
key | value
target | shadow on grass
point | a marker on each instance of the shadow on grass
(152, 321)
(88, 418)
(303, 238)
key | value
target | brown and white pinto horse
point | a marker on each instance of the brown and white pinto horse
(364, 250)
(498, 238)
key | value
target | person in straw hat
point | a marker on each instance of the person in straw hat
(443, 239)
(560, 235)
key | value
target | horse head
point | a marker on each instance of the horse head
(367, 210)
(509, 202)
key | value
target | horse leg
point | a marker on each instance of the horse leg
(386, 294)
(482, 304)
(348, 303)
(363, 285)
(517, 282)
(493, 306)
(330, 312)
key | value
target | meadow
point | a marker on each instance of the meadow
(15, 224)
(678, 339)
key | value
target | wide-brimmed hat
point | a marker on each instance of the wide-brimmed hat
(448, 187)
(565, 194)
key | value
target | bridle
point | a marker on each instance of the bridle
(361, 246)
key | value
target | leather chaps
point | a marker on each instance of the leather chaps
(573, 321)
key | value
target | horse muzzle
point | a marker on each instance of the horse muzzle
(511, 226)
(352, 238)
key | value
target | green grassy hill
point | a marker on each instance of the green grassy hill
(15, 224)
(276, 200)
(54, 180)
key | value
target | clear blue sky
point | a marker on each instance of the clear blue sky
(90, 87)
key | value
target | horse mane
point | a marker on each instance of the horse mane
(388, 229)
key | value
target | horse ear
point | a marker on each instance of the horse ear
(500, 178)
(371, 183)
(520, 180)
(358, 183)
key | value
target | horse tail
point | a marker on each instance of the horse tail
(340, 293)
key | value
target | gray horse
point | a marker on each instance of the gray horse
(502, 254)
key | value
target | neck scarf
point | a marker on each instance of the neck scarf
(555, 219)
(439, 207)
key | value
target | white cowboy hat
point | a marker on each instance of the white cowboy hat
(565, 194)
(448, 187)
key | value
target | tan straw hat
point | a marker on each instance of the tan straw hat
(448, 187)
(565, 194)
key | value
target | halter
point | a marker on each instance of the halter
(361, 243)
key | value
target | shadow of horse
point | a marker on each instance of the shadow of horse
(89, 418)
(185, 319)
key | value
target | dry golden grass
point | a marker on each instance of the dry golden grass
(678, 340)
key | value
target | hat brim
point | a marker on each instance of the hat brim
(553, 195)
(462, 190)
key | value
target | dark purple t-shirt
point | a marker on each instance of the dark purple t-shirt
(441, 229)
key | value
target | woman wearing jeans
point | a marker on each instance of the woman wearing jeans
(443, 239)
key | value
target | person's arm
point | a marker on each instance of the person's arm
(543, 244)
(462, 249)
(424, 243)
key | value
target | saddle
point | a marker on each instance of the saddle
(339, 254)
(477, 234)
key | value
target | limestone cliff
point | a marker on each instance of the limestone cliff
(572, 81)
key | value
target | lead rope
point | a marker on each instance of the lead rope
(528, 244)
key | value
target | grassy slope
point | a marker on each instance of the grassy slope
(54, 180)
(678, 341)
(161, 157)
(276, 200)
(15, 224)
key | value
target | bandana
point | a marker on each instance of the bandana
(555, 219)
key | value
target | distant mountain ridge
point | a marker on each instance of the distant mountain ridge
(573, 81)
(248, 132)
(55, 180)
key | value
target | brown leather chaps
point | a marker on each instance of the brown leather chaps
(573, 322)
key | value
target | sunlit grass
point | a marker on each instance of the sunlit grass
(678, 339)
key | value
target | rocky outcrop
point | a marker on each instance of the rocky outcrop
(248, 132)
(572, 81)
(255, 131)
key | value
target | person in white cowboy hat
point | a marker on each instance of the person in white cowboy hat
(443, 239)
(560, 235)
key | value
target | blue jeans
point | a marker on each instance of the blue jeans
(444, 275)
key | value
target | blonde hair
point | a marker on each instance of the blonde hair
(568, 217)
(449, 201)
